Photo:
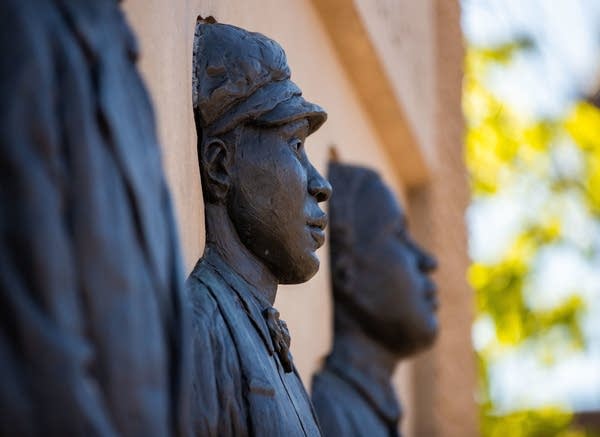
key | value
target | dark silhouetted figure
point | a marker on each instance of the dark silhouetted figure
(263, 227)
(384, 306)
(91, 286)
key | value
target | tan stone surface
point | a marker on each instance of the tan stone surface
(403, 34)
(365, 67)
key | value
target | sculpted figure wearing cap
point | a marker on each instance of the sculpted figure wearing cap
(384, 306)
(263, 227)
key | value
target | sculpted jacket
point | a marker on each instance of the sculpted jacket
(351, 401)
(91, 298)
(240, 385)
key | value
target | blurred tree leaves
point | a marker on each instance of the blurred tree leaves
(501, 148)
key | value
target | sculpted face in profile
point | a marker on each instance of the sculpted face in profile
(384, 305)
(273, 199)
(263, 226)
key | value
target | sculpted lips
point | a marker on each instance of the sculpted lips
(317, 229)
(431, 295)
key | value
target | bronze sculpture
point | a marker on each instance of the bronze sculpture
(263, 226)
(91, 286)
(384, 306)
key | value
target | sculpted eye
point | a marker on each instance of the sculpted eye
(296, 145)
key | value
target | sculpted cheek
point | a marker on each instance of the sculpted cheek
(291, 186)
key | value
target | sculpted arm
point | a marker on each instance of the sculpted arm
(204, 394)
(47, 385)
(217, 404)
(209, 370)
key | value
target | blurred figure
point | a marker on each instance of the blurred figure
(384, 306)
(92, 312)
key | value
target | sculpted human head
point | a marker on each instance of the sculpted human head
(380, 274)
(252, 124)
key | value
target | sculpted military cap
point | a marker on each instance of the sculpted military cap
(241, 76)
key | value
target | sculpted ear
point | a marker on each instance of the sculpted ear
(342, 272)
(216, 164)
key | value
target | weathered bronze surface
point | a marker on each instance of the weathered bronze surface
(384, 306)
(263, 227)
(91, 288)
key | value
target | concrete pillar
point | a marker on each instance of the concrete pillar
(444, 379)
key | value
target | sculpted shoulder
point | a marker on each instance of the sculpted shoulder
(18, 11)
(26, 42)
(333, 402)
(203, 304)
(27, 24)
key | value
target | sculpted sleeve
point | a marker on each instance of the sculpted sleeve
(205, 375)
(47, 385)
(217, 388)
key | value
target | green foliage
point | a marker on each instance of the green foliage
(532, 423)
(500, 147)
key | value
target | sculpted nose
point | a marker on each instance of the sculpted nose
(318, 187)
(427, 262)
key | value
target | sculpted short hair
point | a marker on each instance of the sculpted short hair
(347, 220)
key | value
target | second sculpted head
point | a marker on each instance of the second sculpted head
(380, 275)
(252, 123)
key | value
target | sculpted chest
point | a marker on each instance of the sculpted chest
(270, 400)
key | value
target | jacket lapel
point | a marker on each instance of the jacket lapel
(126, 116)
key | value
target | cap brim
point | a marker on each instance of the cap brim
(295, 108)
(274, 104)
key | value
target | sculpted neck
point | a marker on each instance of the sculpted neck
(354, 347)
(222, 237)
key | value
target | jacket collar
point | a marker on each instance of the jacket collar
(374, 387)
(109, 45)
(252, 304)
